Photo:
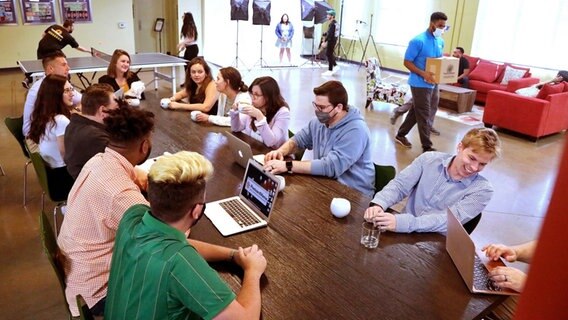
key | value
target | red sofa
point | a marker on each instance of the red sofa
(485, 76)
(535, 117)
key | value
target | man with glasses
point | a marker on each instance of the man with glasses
(339, 138)
(85, 135)
(425, 92)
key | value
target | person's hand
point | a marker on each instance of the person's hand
(495, 251)
(252, 112)
(375, 214)
(273, 155)
(507, 277)
(324, 44)
(275, 166)
(173, 98)
(202, 117)
(251, 259)
(429, 77)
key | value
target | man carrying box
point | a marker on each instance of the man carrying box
(425, 93)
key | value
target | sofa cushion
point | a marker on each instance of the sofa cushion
(472, 62)
(512, 73)
(531, 91)
(549, 89)
(565, 86)
(526, 72)
(485, 71)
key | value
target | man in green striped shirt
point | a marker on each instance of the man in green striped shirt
(157, 273)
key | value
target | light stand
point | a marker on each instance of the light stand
(312, 56)
(367, 44)
(353, 41)
(338, 47)
(237, 59)
(261, 61)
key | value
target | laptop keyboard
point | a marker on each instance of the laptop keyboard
(239, 212)
(481, 280)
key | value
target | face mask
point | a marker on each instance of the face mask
(323, 117)
(438, 32)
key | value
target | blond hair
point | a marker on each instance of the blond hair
(483, 140)
(176, 183)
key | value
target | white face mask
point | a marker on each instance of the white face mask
(438, 32)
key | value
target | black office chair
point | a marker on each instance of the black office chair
(383, 175)
(472, 224)
(15, 126)
(51, 250)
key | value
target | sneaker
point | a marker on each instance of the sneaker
(403, 141)
(394, 116)
(428, 149)
(327, 74)
(434, 131)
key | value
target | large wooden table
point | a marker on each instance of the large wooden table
(317, 268)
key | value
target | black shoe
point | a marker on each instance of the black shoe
(394, 116)
(434, 131)
(427, 149)
(403, 141)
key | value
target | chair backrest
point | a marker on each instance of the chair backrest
(84, 311)
(15, 126)
(51, 250)
(300, 153)
(41, 171)
(472, 224)
(383, 175)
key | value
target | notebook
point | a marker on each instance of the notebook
(251, 208)
(242, 151)
(471, 263)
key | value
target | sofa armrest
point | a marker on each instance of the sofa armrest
(517, 84)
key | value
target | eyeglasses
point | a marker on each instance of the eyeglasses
(68, 90)
(254, 95)
(320, 108)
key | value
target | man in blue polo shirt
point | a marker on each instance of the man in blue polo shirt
(425, 93)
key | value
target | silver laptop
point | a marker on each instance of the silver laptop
(119, 94)
(251, 208)
(471, 263)
(242, 151)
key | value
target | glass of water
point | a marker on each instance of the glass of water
(370, 235)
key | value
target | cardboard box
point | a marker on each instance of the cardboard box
(445, 69)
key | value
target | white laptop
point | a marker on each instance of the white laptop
(251, 208)
(242, 151)
(471, 263)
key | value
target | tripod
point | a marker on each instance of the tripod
(237, 59)
(353, 43)
(367, 44)
(261, 62)
(312, 55)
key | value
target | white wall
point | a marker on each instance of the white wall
(20, 42)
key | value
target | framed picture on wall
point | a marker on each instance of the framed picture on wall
(76, 10)
(38, 11)
(8, 14)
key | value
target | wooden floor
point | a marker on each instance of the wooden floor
(523, 180)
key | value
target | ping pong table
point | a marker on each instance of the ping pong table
(99, 61)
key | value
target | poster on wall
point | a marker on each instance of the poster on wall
(38, 11)
(76, 10)
(8, 13)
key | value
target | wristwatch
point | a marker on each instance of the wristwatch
(289, 166)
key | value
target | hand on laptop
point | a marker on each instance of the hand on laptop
(251, 259)
(496, 251)
(510, 278)
(273, 155)
(275, 166)
(379, 217)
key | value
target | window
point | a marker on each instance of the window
(396, 22)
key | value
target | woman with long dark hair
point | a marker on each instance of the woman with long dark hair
(199, 89)
(119, 75)
(232, 89)
(284, 31)
(268, 118)
(188, 38)
(47, 129)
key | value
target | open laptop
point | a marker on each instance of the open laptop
(251, 208)
(242, 151)
(471, 263)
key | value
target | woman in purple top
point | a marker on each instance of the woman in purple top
(268, 118)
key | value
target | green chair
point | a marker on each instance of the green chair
(383, 175)
(15, 126)
(84, 311)
(300, 152)
(47, 187)
(51, 250)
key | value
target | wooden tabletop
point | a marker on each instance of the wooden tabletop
(317, 269)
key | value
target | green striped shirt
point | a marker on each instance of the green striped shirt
(156, 274)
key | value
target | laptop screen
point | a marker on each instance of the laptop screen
(259, 189)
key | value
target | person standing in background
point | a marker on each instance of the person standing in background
(330, 41)
(188, 38)
(284, 32)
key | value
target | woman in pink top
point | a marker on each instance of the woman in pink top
(268, 118)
